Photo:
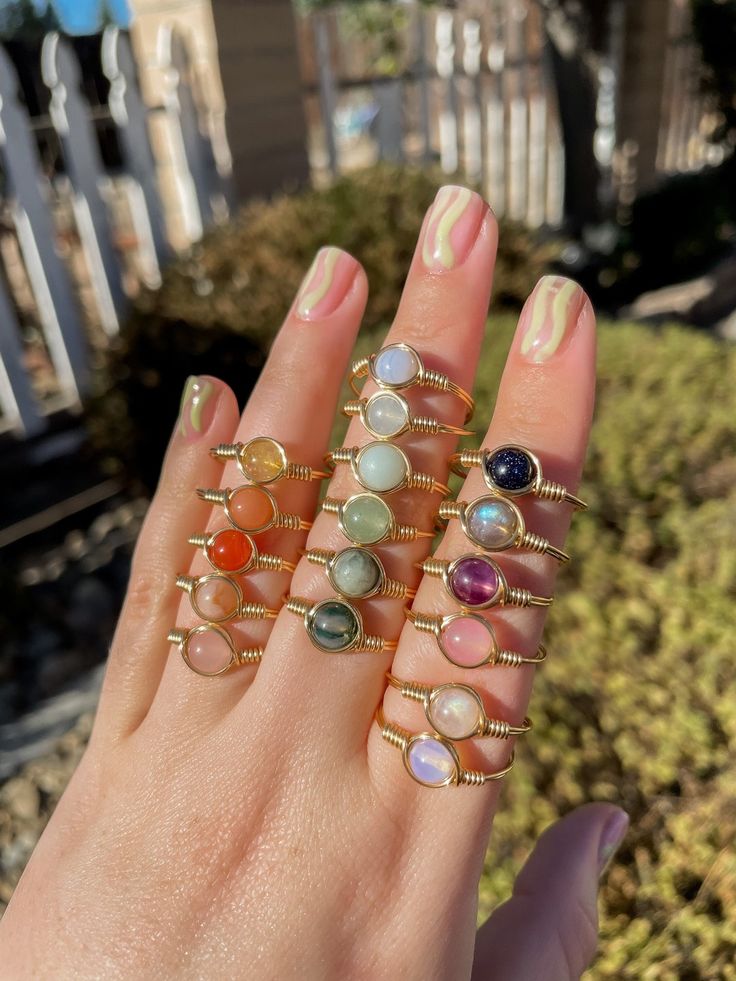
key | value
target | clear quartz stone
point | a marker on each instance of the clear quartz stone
(385, 415)
(454, 712)
(395, 365)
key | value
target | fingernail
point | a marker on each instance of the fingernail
(454, 221)
(612, 835)
(549, 318)
(326, 284)
(197, 407)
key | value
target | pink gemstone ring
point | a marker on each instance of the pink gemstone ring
(477, 582)
(217, 598)
(209, 650)
(468, 640)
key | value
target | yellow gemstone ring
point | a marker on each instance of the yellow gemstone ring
(263, 460)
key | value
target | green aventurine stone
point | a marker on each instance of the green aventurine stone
(334, 626)
(367, 519)
(355, 573)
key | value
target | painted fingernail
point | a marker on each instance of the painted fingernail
(455, 218)
(197, 407)
(326, 284)
(550, 317)
(612, 835)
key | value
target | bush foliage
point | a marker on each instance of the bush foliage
(637, 701)
(221, 306)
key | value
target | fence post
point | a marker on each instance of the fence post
(20, 409)
(390, 123)
(327, 95)
(29, 208)
(446, 71)
(131, 120)
(70, 118)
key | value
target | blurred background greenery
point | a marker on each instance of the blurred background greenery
(636, 704)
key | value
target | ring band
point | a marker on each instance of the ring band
(232, 551)
(209, 650)
(456, 711)
(366, 519)
(263, 460)
(495, 524)
(431, 759)
(383, 468)
(357, 573)
(513, 471)
(477, 582)
(386, 415)
(217, 598)
(336, 627)
(468, 640)
(252, 509)
(399, 366)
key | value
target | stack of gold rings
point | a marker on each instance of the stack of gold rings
(219, 597)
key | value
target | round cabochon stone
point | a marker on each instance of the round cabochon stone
(430, 761)
(355, 572)
(395, 365)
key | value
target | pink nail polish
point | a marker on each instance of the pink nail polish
(550, 317)
(452, 227)
(612, 835)
(197, 408)
(326, 284)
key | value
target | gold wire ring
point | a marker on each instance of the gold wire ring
(383, 468)
(238, 553)
(252, 509)
(468, 640)
(263, 460)
(399, 366)
(477, 582)
(209, 650)
(513, 470)
(456, 711)
(335, 626)
(494, 523)
(357, 573)
(217, 598)
(366, 519)
(431, 759)
(387, 415)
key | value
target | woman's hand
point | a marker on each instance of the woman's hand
(257, 824)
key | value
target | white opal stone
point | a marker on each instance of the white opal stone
(381, 467)
(395, 365)
(454, 712)
(430, 761)
(385, 414)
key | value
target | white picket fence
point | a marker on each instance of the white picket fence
(31, 201)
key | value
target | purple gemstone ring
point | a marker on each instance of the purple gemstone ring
(477, 582)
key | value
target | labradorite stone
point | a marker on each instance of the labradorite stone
(366, 519)
(510, 469)
(355, 572)
(491, 522)
(334, 626)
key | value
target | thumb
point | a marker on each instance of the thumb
(548, 930)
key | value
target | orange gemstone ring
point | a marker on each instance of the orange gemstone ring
(218, 598)
(209, 650)
(232, 551)
(252, 509)
(263, 460)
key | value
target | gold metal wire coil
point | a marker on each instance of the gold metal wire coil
(298, 605)
(474, 778)
(411, 689)
(469, 458)
(513, 659)
(176, 636)
(524, 597)
(212, 494)
(300, 471)
(391, 732)
(292, 522)
(360, 367)
(341, 454)
(352, 407)
(408, 533)
(433, 567)
(185, 582)
(541, 545)
(226, 450)
(425, 621)
(549, 490)
(251, 655)
(371, 644)
(426, 482)
(450, 509)
(395, 589)
(319, 556)
(331, 505)
(199, 540)
(496, 729)
(435, 379)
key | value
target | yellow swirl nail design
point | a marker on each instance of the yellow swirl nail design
(449, 207)
(555, 307)
(195, 396)
(318, 280)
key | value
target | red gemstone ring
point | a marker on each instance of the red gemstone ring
(232, 551)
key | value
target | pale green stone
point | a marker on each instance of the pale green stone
(355, 573)
(366, 519)
(381, 467)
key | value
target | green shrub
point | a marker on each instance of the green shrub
(218, 309)
(637, 702)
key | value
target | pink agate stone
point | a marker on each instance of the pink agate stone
(217, 598)
(208, 652)
(467, 641)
